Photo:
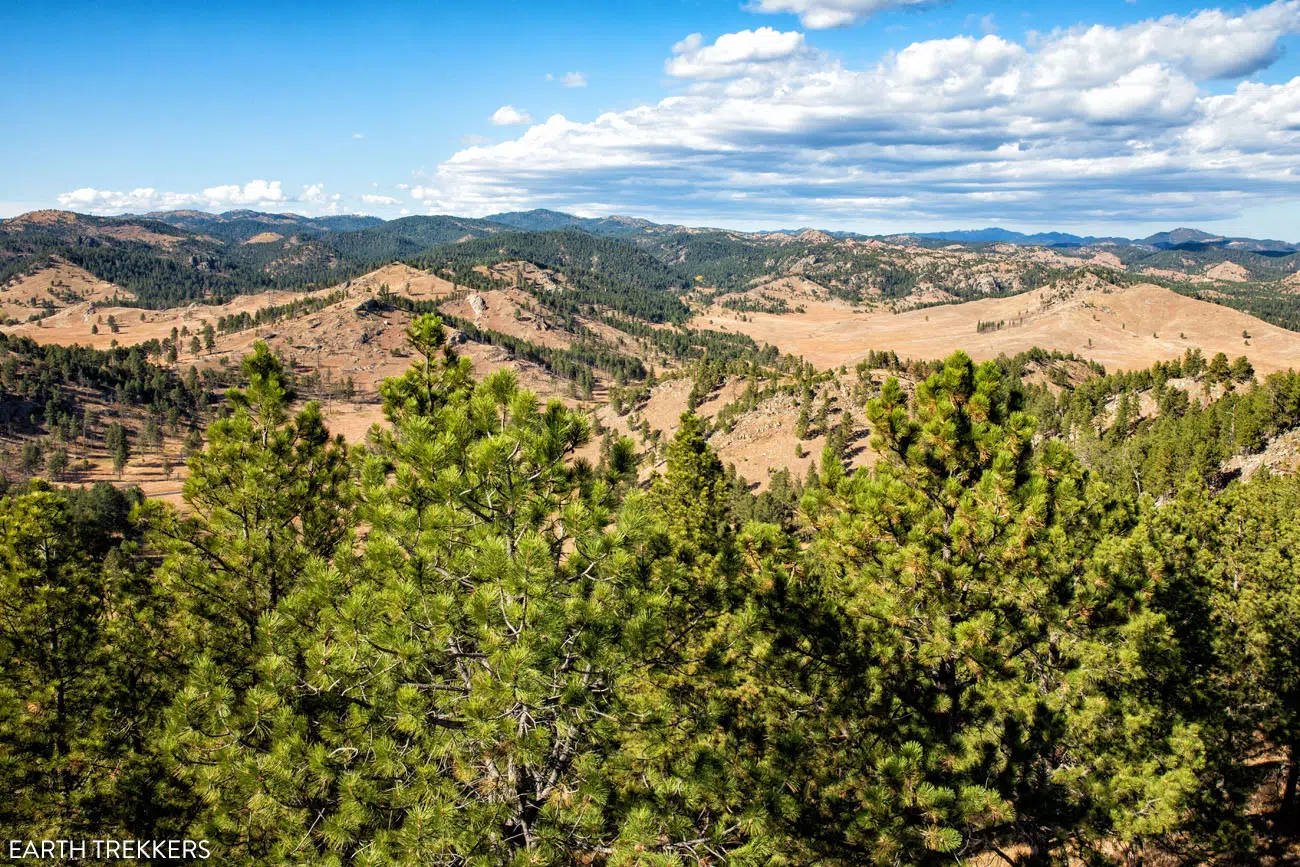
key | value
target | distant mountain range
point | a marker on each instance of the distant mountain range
(1160, 241)
(239, 225)
(422, 231)
(542, 220)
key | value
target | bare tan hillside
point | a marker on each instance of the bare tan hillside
(72, 322)
(1123, 328)
(264, 238)
(54, 287)
(405, 280)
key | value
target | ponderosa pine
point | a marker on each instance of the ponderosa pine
(946, 636)
(271, 503)
(88, 665)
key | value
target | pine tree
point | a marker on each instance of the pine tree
(89, 664)
(1257, 597)
(1119, 429)
(50, 640)
(946, 653)
(57, 463)
(801, 424)
(1230, 588)
(118, 445)
(151, 436)
(469, 685)
(270, 500)
(1219, 370)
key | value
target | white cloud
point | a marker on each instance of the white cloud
(1152, 92)
(91, 200)
(252, 192)
(314, 193)
(824, 14)
(358, 135)
(372, 199)
(1089, 123)
(1203, 46)
(255, 193)
(574, 79)
(258, 194)
(733, 54)
(508, 115)
(1256, 119)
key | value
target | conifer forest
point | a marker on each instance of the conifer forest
(458, 644)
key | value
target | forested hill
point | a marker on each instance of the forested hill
(619, 275)
(176, 258)
(186, 256)
(405, 237)
(163, 265)
(542, 220)
(242, 225)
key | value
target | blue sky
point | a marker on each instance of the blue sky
(875, 115)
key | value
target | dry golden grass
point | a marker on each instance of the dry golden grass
(1123, 328)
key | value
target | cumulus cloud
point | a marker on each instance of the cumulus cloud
(508, 115)
(250, 193)
(748, 52)
(254, 193)
(91, 200)
(1150, 93)
(358, 135)
(1204, 46)
(1089, 123)
(258, 194)
(1255, 119)
(824, 14)
(574, 79)
(385, 201)
(314, 193)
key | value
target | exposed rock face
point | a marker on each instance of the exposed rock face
(1281, 455)
(477, 304)
(812, 236)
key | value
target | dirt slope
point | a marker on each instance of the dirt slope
(1123, 328)
(59, 285)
